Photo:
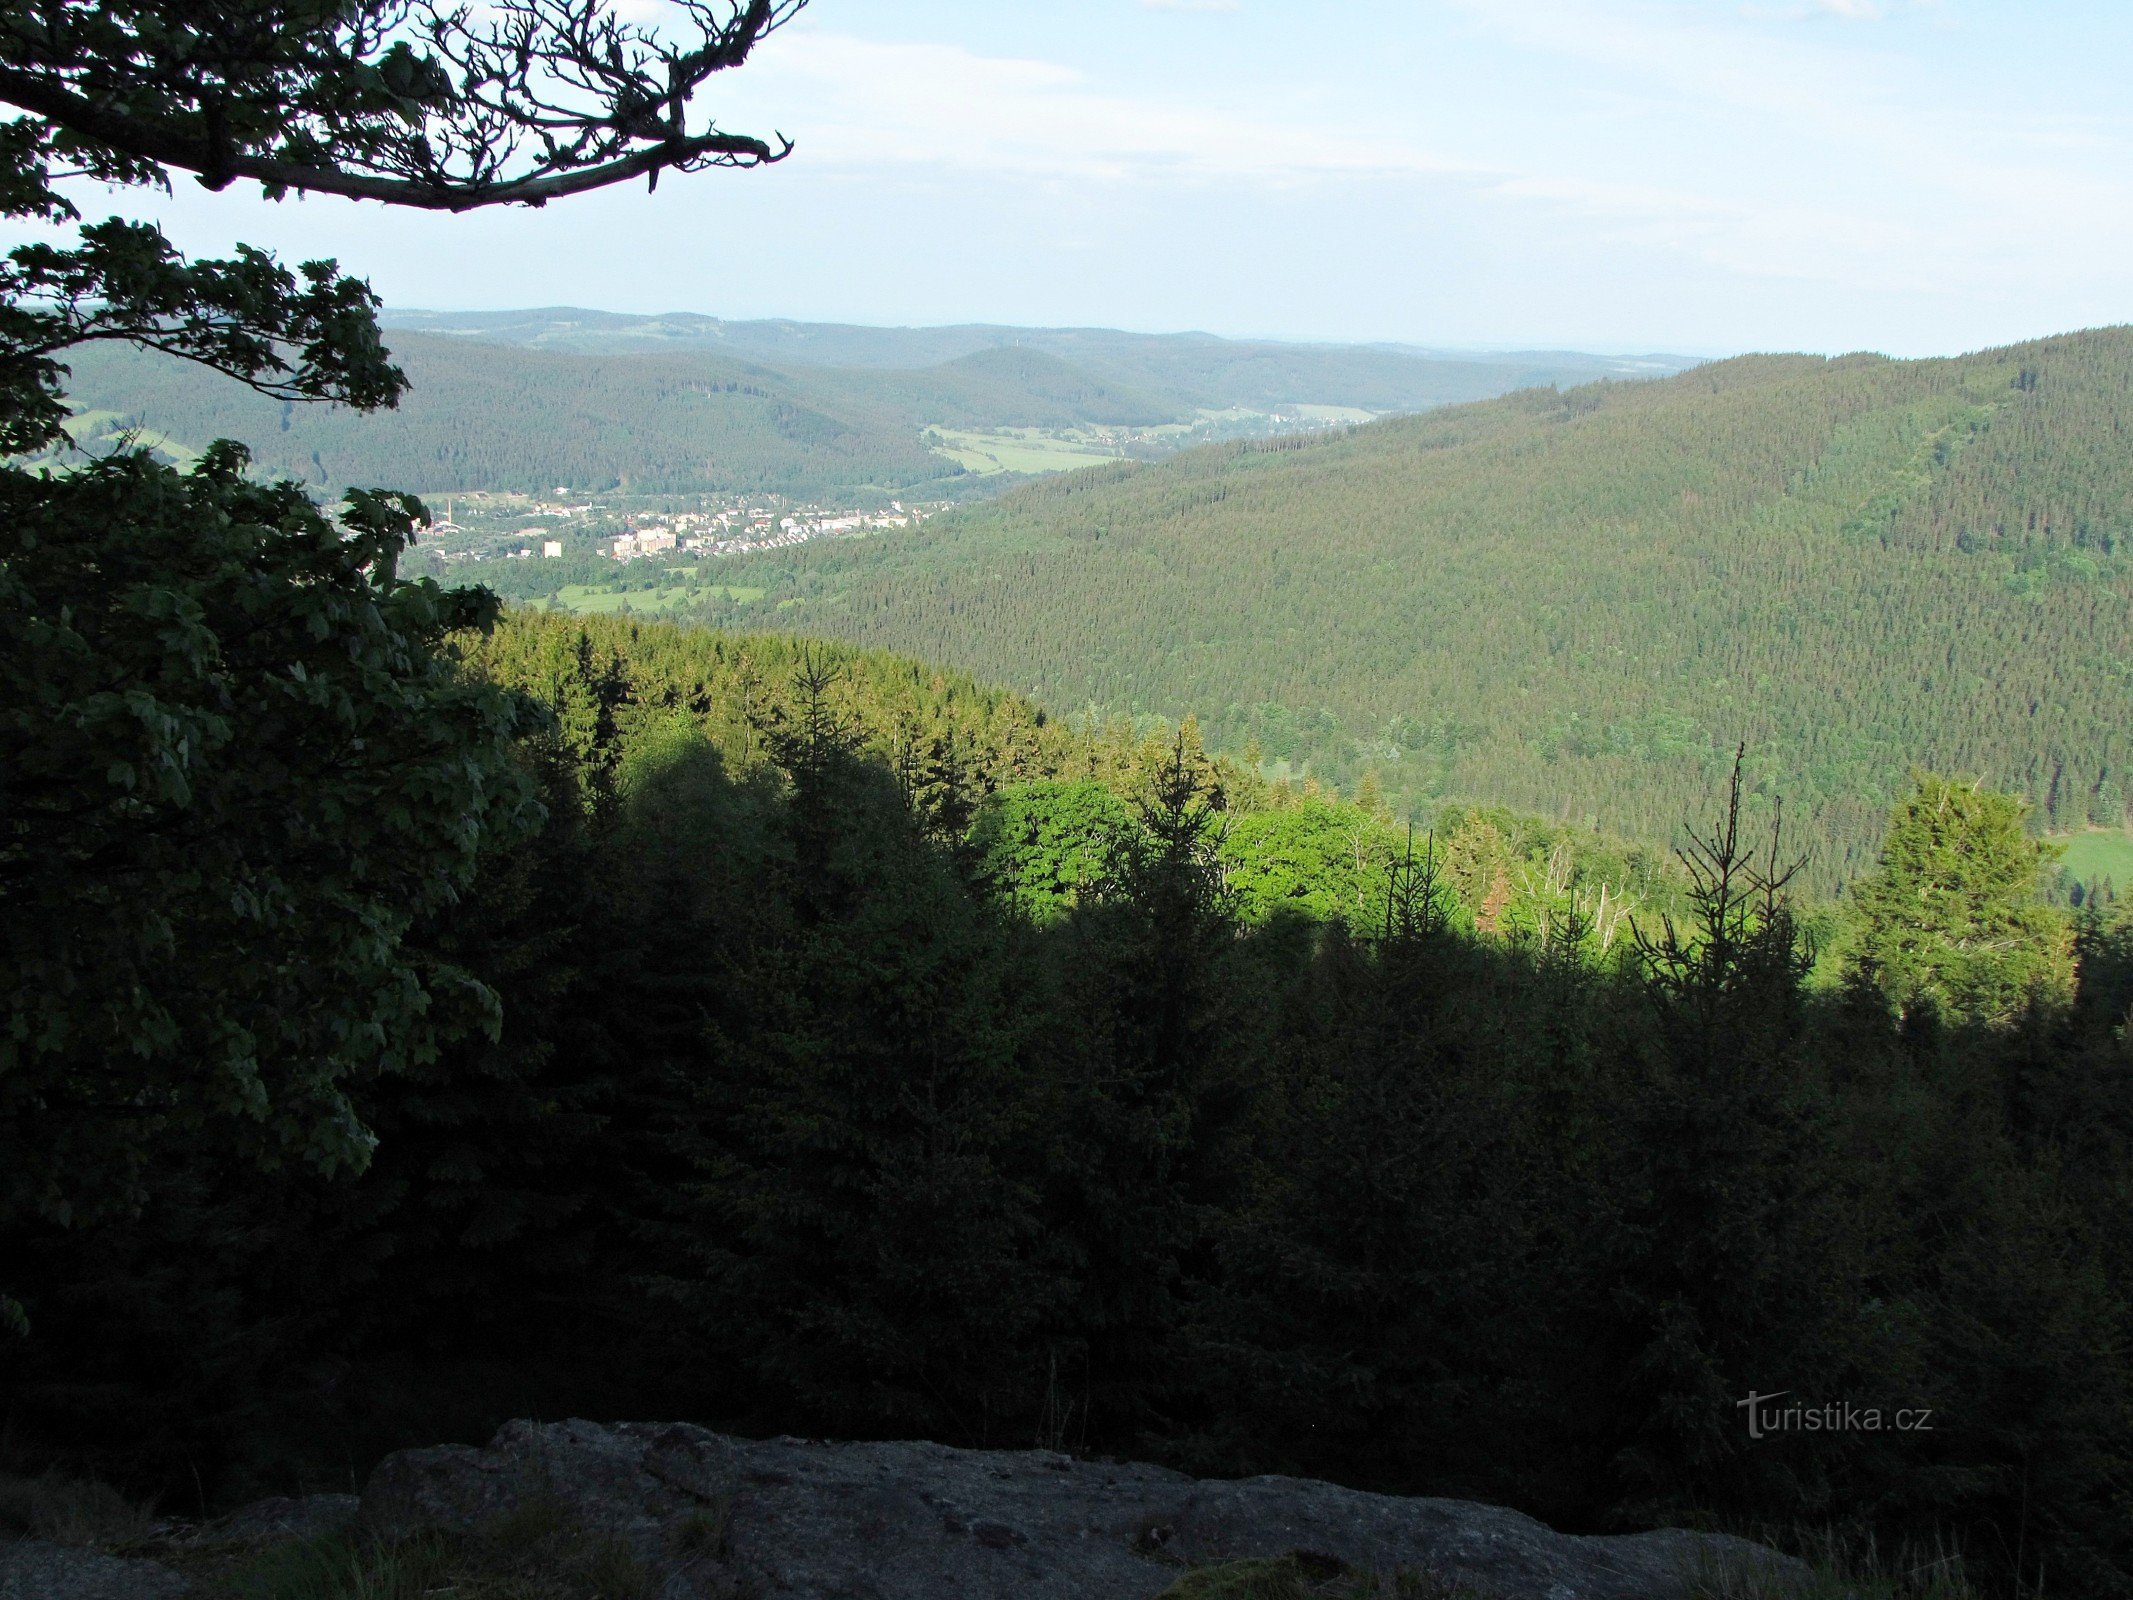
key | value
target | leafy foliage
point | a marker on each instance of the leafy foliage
(236, 766)
(240, 760)
(125, 283)
(1047, 843)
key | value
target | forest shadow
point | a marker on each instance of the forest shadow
(794, 1119)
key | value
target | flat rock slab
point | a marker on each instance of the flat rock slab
(32, 1569)
(809, 1520)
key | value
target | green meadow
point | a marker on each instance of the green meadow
(1041, 450)
(2099, 853)
(584, 598)
(96, 432)
(1017, 450)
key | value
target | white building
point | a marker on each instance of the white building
(552, 549)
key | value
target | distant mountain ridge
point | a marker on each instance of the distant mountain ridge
(679, 405)
(1210, 369)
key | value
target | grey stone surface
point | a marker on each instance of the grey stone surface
(38, 1569)
(809, 1520)
(32, 1569)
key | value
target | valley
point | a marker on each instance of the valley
(1579, 602)
(629, 407)
(1575, 598)
(1311, 966)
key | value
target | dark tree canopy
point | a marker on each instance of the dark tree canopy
(442, 106)
(308, 335)
(238, 759)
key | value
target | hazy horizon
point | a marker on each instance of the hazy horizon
(1621, 352)
(1432, 347)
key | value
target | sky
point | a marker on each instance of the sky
(1920, 177)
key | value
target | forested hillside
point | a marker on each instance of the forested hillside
(422, 1006)
(512, 402)
(1578, 603)
(484, 416)
(843, 1046)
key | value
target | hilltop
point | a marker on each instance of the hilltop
(1579, 602)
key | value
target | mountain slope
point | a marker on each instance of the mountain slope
(483, 416)
(1578, 603)
(525, 401)
(1010, 387)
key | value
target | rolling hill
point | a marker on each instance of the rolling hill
(492, 416)
(527, 400)
(1184, 369)
(1579, 602)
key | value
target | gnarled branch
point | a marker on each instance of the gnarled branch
(407, 102)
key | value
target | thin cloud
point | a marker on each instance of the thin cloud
(1910, 175)
(1842, 10)
(944, 105)
(1869, 107)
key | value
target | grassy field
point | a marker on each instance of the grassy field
(1016, 450)
(97, 432)
(1333, 413)
(2099, 853)
(645, 602)
(1037, 450)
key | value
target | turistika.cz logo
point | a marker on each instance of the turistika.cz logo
(1766, 1416)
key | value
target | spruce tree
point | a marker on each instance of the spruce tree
(1952, 919)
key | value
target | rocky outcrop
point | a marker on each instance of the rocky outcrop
(721, 1517)
(36, 1569)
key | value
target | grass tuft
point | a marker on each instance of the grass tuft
(73, 1511)
(340, 1566)
(1846, 1568)
(538, 1551)
(706, 1531)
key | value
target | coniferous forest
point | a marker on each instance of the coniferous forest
(587, 406)
(420, 1012)
(1578, 603)
(843, 1046)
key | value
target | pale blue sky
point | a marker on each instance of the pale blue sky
(1916, 176)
